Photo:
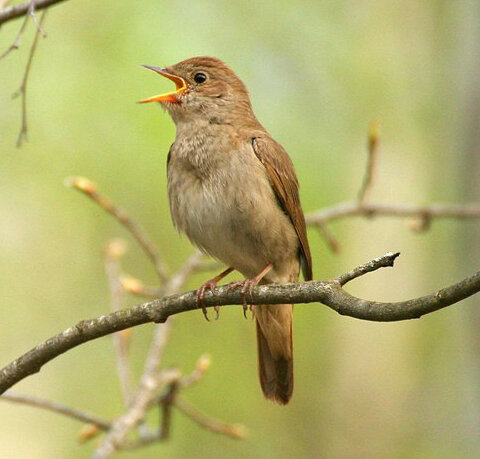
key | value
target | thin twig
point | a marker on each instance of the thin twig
(376, 209)
(125, 424)
(157, 348)
(193, 264)
(16, 43)
(22, 91)
(114, 251)
(213, 425)
(139, 402)
(162, 331)
(152, 378)
(137, 287)
(329, 237)
(17, 11)
(362, 207)
(144, 398)
(146, 438)
(88, 188)
(367, 182)
(385, 261)
(330, 293)
(56, 408)
(202, 366)
(166, 402)
(31, 13)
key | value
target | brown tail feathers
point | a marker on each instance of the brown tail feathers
(275, 351)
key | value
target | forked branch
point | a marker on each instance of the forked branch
(17, 11)
(330, 293)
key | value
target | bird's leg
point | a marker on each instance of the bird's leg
(249, 284)
(210, 285)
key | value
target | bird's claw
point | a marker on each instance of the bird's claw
(250, 308)
(234, 285)
(200, 297)
(247, 285)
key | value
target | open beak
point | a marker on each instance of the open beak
(168, 96)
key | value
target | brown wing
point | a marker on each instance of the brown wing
(285, 184)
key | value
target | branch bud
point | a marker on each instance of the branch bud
(81, 183)
(132, 284)
(203, 363)
(420, 224)
(87, 432)
(373, 135)
(116, 249)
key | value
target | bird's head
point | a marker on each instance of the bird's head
(206, 89)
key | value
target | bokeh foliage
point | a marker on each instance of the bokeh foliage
(318, 73)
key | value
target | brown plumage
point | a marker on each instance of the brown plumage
(280, 169)
(233, 191)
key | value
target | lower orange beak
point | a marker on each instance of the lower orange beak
(168, 96)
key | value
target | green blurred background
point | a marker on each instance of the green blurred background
(318, 73)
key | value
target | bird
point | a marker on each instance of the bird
(233, 191)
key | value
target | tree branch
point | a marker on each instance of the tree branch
(17, 11)
(22, 91)
(385, 261)
(374, 209)
(209, 423)
(56, 408)
(237, 431)
(16, 42)
(364, 208)
(371, 163)
(329, 293)
(152, 378)
(114, 251)
(145, 397)
(165, 405)
(88, 188)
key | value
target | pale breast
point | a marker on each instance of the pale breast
(222, 200)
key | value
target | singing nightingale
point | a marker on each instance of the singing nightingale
(233, 191)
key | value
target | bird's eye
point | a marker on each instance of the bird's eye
(200, 78)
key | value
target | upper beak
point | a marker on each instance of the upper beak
(168, 96)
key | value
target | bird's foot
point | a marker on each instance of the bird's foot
(244, 285)
(211, 285)
(247, 287)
